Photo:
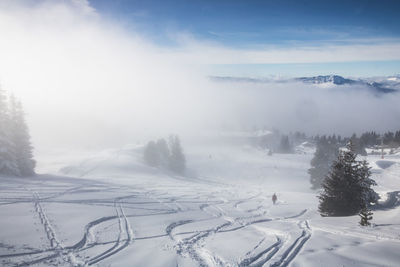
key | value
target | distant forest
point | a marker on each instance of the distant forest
(286, 143)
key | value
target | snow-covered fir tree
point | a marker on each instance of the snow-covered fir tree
(367, 194)
(16, 156)
(21, 139)
(163, 151)
(326, 152)
(359, 146)
(366, 216)
(8, 162)
(177, 160)
(347, 187)
(167, 155)
(285, 146)
(151, 154)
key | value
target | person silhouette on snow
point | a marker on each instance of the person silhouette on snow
(274, 198)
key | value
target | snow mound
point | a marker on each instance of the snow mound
(384, 164)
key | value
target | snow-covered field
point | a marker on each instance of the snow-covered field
(112, 210)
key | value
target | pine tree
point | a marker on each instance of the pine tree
(285, 146)
(397, 138)
(347, 188)
(177, 161)
(358, 145)
(151, 155)
(368, 195)
(21, 139)
(8, 162)
(365, 216)
(163, 151)
(163, 154)
(325, 154)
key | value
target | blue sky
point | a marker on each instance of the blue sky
(257, 24)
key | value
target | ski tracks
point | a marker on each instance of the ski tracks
(196, 251)
(270, 255)
(55, 244)
(279, 253)
(259, 259)
(48, 228)
(192, 245)
(294, 249)
(124, 239)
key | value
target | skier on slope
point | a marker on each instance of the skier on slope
(274, 198)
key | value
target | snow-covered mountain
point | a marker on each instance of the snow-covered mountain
(377, 85)
(335, 79)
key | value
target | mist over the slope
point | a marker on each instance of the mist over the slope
(86, 82)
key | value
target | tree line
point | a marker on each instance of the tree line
(16, 151)
(286, 143)
(168, 155)
(369, 139)
(277, 142)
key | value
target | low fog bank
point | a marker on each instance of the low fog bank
(87, 83)
(227, 109)
(312, 109)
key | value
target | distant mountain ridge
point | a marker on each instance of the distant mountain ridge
(335, 79)
(381, 85)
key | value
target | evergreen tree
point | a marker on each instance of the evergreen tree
(325, 154)
(21, 139)
(388, 138)
(163, 154)
(151, 155)
(8, 162)
(347, 188)
(397, 138)
(177, 161)
(365, 216)
(370, 139)
(358, 145)
(285, 146)
(163, 151)
(339, 140)
(368, 195)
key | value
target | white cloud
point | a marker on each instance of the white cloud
(76, 72)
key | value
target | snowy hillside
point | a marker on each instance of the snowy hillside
(112, 210)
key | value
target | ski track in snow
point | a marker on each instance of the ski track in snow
(291, 252)
(55, 244)
(192, 246)
(125, 237)
(261, 258)
(218, 213)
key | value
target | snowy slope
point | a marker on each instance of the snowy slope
(112, 210)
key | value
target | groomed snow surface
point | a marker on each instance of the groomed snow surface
(112, 210)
